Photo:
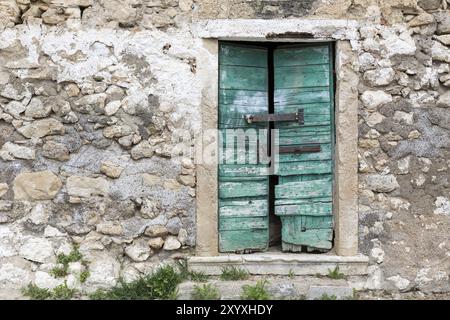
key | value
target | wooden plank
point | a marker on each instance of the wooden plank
(243, 98)
(243, 223)
(243, 78)
(304, 189)
(231, 54)
(237, 111)
(240, 240)
(281, 202)
(243, 189)
(304, 167)
(303, 139)
(310, 208)
(293, 232)
(302, 76)
(296, 96)
(308, 108)
(301, 56)
(243, 170)
(243, 208)
(308, 177)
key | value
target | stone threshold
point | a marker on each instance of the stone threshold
(281, 263)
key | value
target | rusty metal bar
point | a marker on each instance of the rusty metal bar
(300, 149)
(276, 117)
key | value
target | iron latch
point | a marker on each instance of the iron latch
(276, 117)
(300, 149)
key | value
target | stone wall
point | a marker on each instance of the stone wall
(95, 94)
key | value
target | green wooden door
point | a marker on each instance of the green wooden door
(243, 182)
(303, 196)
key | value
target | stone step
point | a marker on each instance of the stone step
(300, 288)
(281, 263)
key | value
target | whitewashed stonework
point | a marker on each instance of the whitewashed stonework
(93, 99)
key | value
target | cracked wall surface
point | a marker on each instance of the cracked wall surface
(96, 95)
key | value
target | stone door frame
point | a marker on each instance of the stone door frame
(345, 198)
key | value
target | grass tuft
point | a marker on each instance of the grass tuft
(327, 297)
(205, 292)
(335, 274)
(35, 293)
(161, 284)
(232, 274)
(61, 292)
(256, 292)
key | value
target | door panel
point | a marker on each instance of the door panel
(303, 196)
(243, 182)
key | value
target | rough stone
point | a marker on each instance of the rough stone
(139, 251)
(39, 215)
(442, 206)
(377, 254)
(103, 271)
(85, 187)
(55, 150)
(429, 4)
(443, 19)
(399, 282)
(42, 185)
(381, 183)
(110, 228)
(156, 231)
(440, 52)
(445, 39)
(340, 292)
(111, 169)
(37, 250)
(379, 77)
(156, 243)
(142, 150)
(45, 280)
(374, 118)
(10, 151)
(171, 243)
(112, 107)
(3, 189)
(422, 19)
(15, 274)
(375, 99)
(117, 131)
(42, 128)
(37, 109)
(444, 100)
(174, 225)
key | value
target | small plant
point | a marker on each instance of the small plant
(233, 273)
(59, 272)
(161, 284)
(84, 275)
(62, 292)
(35, 293)
(198, 276)
(183, 269)
(291, 274)
(73, 256)
(256, 292)
(205, 292)
(64, 260)
(327, 297)
(354, 295)
(335, 274)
